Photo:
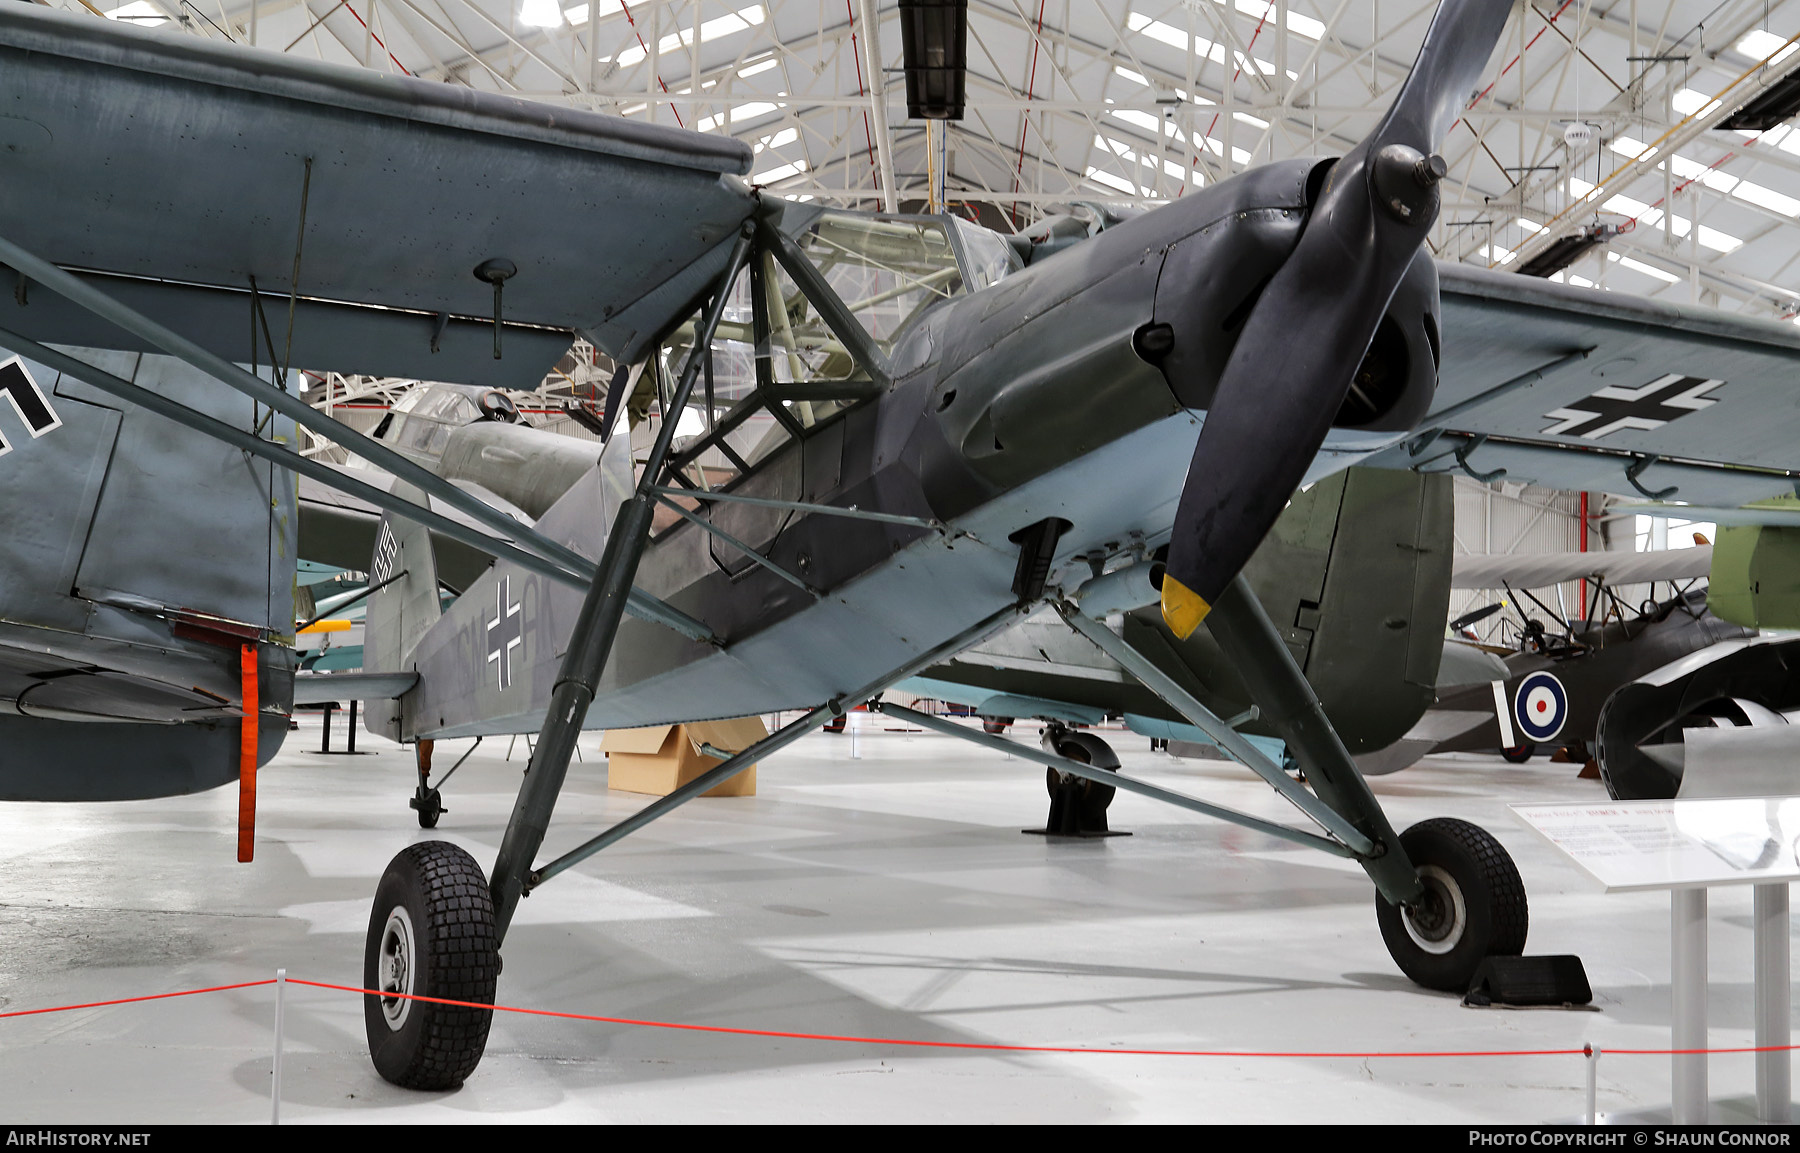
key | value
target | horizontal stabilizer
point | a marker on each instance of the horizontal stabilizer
(320, 688)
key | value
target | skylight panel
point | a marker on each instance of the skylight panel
(1760, 44)
(742, 20)
(1688, 102)
(1640, 266)
(781, 173)
(1115, 182)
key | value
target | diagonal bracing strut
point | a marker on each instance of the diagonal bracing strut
(527, 539)
(1112, 779)
(786, 735)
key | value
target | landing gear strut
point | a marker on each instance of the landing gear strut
(427, 801)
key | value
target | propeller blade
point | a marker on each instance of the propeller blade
(1302, 343)
(1474, 615)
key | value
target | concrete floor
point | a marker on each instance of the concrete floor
(888, 896)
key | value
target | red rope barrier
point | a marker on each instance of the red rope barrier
(130, 1000)
(850, 1038)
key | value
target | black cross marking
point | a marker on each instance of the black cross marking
(1616, 409)
(28, 401)
(505, 633)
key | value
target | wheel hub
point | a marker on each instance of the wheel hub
(1437, 921)
(395, 967)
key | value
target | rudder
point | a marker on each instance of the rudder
(399, 615)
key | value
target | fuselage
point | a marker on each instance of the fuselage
(1037, 396)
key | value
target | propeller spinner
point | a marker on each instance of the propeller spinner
(1302, 343)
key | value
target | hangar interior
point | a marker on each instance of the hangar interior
(868, 926)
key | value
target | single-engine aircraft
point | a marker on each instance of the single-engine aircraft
(934, 433)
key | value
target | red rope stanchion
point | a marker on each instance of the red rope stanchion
(1585, 1050)
(986, 1046)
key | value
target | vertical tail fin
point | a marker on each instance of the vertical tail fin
(401, 613)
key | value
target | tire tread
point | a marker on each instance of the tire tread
(459, 959)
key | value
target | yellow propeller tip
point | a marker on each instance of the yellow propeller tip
(1182, 608)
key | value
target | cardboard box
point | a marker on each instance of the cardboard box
(660, 759)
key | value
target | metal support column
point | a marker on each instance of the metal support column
(590, 645)
(1774, 1062)
(1687, 995)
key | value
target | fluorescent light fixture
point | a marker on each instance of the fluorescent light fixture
(138, 12)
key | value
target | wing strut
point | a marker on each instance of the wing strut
(1340, 801)
(780, 738)
(590, 645)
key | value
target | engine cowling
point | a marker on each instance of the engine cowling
(1644, 724)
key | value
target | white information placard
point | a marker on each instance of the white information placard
(1633, 845)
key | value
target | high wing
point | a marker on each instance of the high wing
(385, 191)
(1536, 570)
(1580, 389)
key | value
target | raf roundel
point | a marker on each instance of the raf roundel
(1540, 706)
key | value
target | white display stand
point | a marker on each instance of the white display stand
(1687, 847)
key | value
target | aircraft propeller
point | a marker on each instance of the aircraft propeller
(1308, 332)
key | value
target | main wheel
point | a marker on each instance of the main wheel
(1518, 754)
(431, 934)
(1473, 907)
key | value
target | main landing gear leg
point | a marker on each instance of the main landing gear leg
(1447, 893)
(406, 906)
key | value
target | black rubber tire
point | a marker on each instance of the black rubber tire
(836, 724)
(1495, 915)
(456, 956)
(994, 726)
(1518, 754)
(430, 807)
(1088, 749)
